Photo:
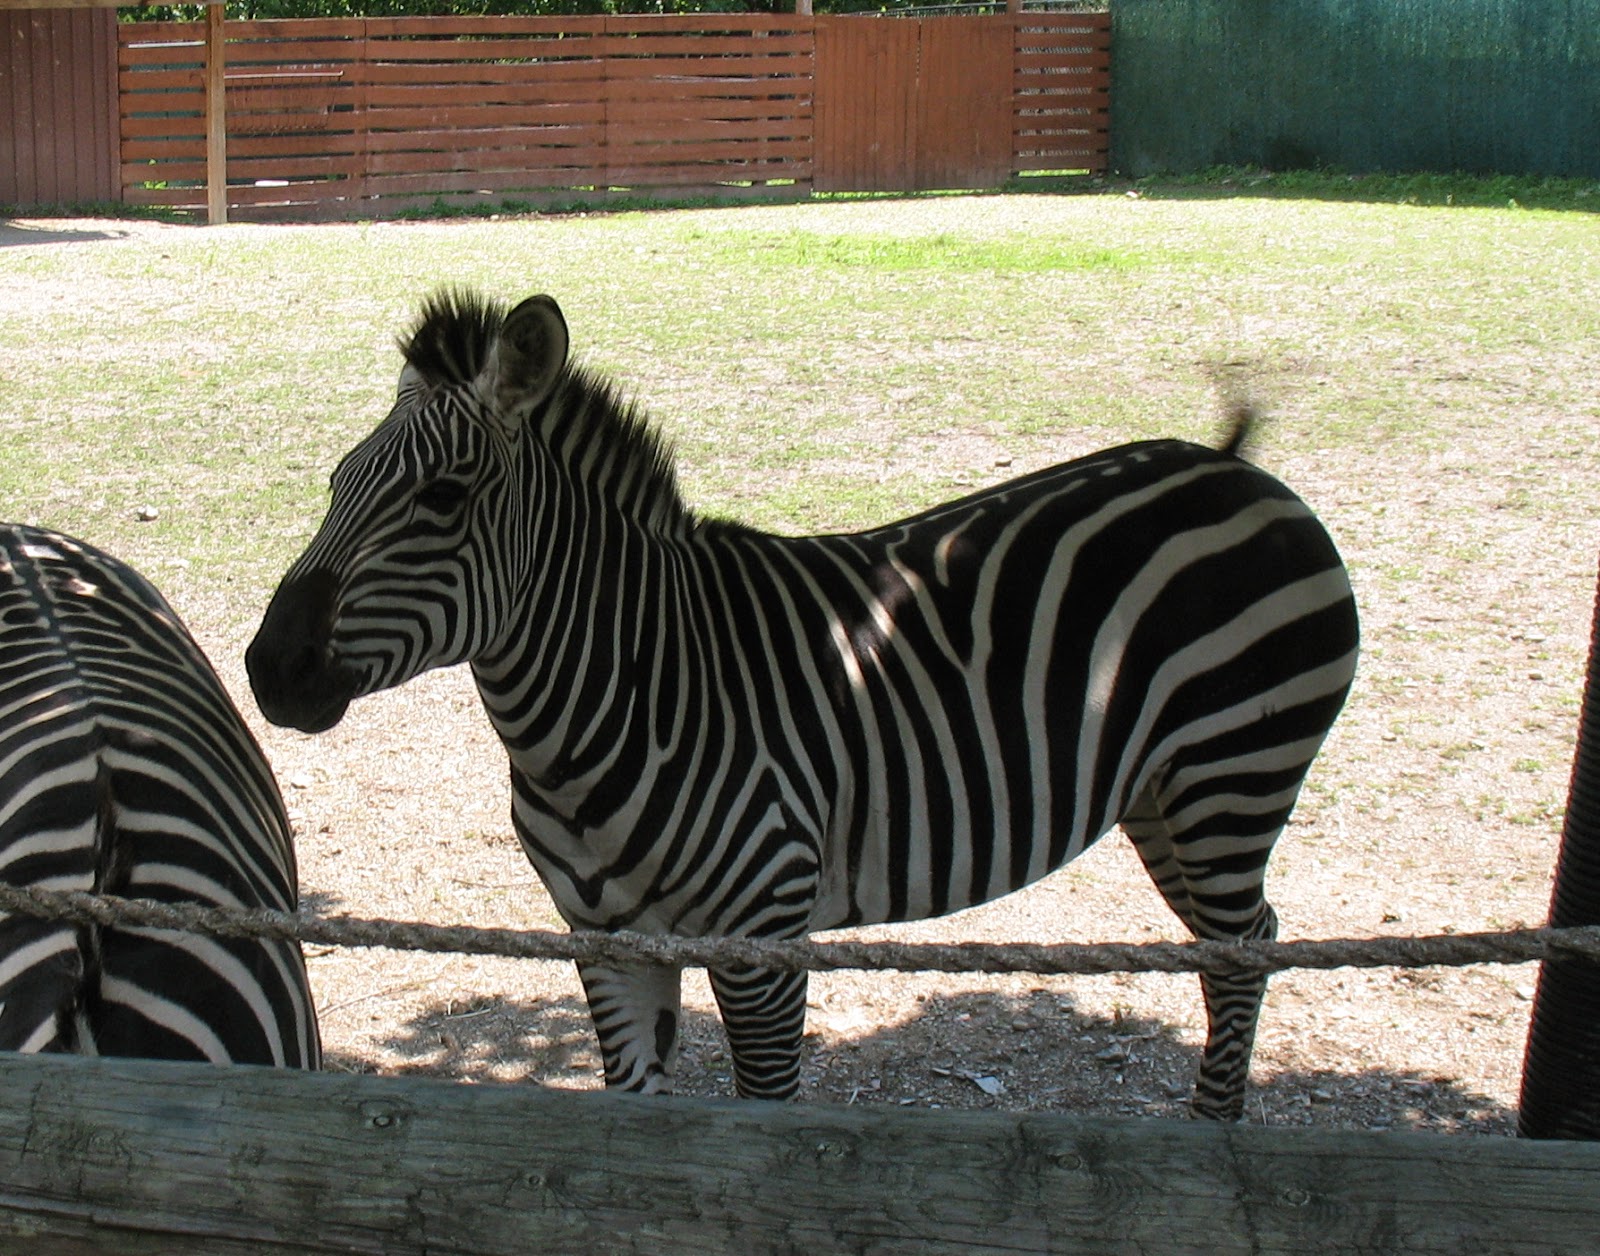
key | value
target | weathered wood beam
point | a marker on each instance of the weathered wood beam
(216, 118)
(140, 1157)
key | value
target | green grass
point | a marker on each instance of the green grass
(1428, 190)
(835, 364)
(944, 253)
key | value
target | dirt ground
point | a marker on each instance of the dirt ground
(1435, 807)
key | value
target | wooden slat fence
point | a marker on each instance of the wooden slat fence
(1061, 92)
(367, 117)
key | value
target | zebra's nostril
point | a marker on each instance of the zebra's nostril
(305, 661)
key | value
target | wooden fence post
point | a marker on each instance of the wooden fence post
(216, 118)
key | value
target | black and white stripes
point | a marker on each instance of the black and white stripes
(714, 731)
(124, 769)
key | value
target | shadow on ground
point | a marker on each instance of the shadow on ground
(1036, 1052)
(14, 233)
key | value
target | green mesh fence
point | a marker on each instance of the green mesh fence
(1478, 86)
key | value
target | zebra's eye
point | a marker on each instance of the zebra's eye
(442, 497)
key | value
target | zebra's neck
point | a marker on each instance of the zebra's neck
(618, 691)
(602, 639)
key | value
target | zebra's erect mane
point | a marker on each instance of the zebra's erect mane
(450, 341)
(608, 442)
(604, 439)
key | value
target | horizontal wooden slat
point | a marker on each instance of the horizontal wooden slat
(498, 181)
(422, 27)
(450, 52)
(143, 81)
(481, 75)
(577, 155)
(1095, 20)
(641, 24)
(379, 95)
(1077, 103)
(469, 118)
(1047, 62)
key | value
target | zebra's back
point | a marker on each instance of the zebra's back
(1005, 674)
(125, 769)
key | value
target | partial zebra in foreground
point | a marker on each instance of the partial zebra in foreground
(718, 732)
(125, 769)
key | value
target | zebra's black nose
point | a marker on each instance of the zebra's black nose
(291, 676)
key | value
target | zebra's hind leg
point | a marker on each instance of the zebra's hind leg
(1209, 862)
(635, 1013)
(764, 1013)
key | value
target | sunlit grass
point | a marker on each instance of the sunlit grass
(819, 366)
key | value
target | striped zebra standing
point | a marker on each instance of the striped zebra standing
(125, 769)
(718, 732)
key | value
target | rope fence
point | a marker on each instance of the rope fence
(1518, 946)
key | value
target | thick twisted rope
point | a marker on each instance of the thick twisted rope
(1519, 946)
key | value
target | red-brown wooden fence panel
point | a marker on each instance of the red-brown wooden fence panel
(964, 103)
(866, 85)
(367, 116)
(58, 106)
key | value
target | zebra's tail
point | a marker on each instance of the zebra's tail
(1242, 416)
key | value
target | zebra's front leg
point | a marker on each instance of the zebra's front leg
(635, 1013)
(764, 1013)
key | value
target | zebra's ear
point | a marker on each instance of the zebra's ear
(525, 360)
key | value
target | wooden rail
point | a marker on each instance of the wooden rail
(142, 1157)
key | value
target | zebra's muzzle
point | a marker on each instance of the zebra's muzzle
(295, 681)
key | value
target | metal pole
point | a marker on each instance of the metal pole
(1561, 1070)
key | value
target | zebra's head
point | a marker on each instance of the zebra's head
(403, 574)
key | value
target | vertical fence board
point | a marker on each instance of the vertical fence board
(26, 30)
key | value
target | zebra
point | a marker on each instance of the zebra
(715, 731)
(125, 769)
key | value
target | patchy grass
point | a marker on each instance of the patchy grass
(215, 374)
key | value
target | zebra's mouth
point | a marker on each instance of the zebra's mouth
(296, 682)
(318, 715)
(311, 699)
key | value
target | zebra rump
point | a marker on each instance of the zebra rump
(125, 769)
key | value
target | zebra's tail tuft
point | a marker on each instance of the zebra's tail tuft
(1242, 416)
